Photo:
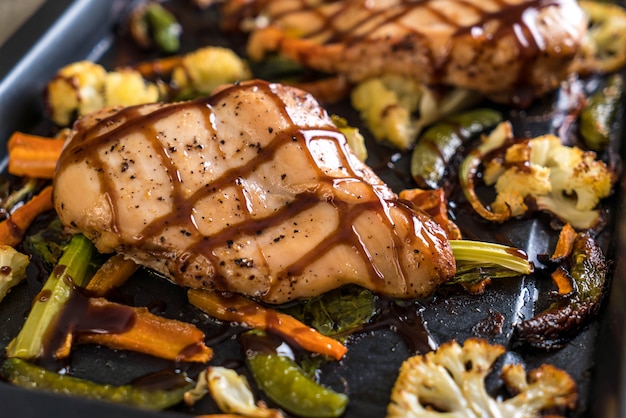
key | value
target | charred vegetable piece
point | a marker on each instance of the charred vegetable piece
(200, 72)
(165, 28)
(284, 382)
(27, 375)
(551, 328)
(435, 203)
(146, 333)
(231, 392)
(12, 197)
(450, 382)
(13, 229)
(468, 170)
(604, 48)
(12, 268)
(48, 243)
(153, 25)
(567, 182)
(438, 144)
(598, 115)
(71, 270)
(337, 311)
(83, 87)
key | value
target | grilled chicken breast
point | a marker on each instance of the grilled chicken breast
(508, 50)
(252, 190)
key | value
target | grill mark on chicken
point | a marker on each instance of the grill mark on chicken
(374, 198)
(516, 18)
(460, 29)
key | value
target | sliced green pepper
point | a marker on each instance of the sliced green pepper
(25, 374)
(164, 28)
(438, 144)
(598, 115)
(284, 382)
(553, 327)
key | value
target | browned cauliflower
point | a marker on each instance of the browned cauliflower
(12, 268)
(450, 382)
(396, 109)
(231, 392)
(565, 181)
(84, 86)
(201, 71)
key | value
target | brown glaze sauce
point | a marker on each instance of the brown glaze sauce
(405, 319)
(79, 316)
(85, 148)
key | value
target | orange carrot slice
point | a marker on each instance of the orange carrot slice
(13, 228)
(33, 156)
(235, 308)
(150, 334)
(113, 273)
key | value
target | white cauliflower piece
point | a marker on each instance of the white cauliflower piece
(127, 88)
(201, 71)
(386, 114)
(395, 109)
(566, 181)
(12, 268)
(84, 87)
(543, 388)
(573, 171)
(231, 393)
(449, 383)
(75, 90)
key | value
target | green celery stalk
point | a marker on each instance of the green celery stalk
(70, 271)
(485, 253)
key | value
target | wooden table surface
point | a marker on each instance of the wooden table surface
(13, 13)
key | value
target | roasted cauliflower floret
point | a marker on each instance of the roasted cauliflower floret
(201, 71)
(127, 88)
(386, 110)
(575, 172)
(395, 109)
(75, 90)
(231, 392)
(514, 184)
(84, 87)
(565, 181)
(450, 382)
(12, 268)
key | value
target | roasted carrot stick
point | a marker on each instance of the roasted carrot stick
(113, 273)
(565, 243)
(13, 228)
(158, 68)
(236, 308)
(149, 334)
(33, 156)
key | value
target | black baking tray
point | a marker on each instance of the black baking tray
(63, 31)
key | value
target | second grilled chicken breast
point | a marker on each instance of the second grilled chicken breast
(508, 50)
(252, 190)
